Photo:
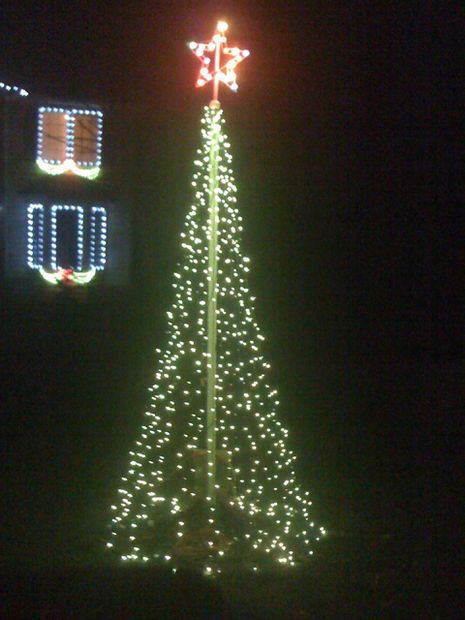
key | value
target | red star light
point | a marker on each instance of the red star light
(223, 69)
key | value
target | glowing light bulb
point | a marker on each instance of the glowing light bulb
(222, 26)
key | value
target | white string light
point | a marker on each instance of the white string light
(161, 479)
(98, 238)
(84, 168)
(16, 90)
(35, 235)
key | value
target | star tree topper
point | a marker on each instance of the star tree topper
(223, 70)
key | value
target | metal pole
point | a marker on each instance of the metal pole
(212, 275)
(216, 79)
(215, 131)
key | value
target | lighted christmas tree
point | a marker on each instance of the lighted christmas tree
(211, 481)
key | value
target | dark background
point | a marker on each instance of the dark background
(346, 141)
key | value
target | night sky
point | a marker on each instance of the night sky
(351, 207)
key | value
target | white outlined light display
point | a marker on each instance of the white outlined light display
(15, 90)
(98, 238)
(35, 235)
(36, 223)
(81, 155)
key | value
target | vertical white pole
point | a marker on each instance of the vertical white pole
(215, 131)
(216, 79)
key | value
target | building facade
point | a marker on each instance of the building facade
(63, 221)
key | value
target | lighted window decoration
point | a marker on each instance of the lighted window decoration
(61, 243)
(67, 277)
(70, 140)
(15, 90)
(35, 235)
(98, 238)
(79, 211)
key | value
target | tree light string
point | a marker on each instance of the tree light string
(160, 482)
